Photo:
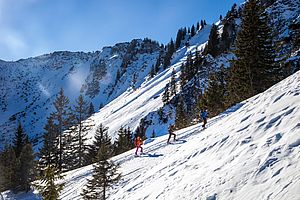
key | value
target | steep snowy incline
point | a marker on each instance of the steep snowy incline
(131, 106)
(251, 151)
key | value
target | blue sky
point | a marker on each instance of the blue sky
(34, 27)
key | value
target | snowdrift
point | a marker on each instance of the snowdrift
(251, 151)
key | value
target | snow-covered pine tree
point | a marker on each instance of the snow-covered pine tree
(48, 187)
(254, 69)
(104, 175)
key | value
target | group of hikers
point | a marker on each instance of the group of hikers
(138, 140)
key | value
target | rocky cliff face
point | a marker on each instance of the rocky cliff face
(29, 86)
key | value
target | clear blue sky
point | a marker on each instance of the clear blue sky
(34, 27)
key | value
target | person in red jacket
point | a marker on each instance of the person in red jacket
(138, 144)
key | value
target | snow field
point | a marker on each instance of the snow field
(249, 152)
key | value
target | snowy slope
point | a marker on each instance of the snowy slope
(249, 152)
(131, 106)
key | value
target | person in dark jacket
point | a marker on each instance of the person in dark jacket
(171, 132)
(204, 115)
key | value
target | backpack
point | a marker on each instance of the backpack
(203, 114)
(137, 141)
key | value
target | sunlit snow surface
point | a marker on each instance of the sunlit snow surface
(251, 151)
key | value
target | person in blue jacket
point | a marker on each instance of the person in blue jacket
(204, 116)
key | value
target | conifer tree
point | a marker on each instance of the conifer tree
(213, 41)
(104, 176)
(214, 96)
(162, 116)
(124, 142)
(101, 137)
(9, 165)
(91, 109)
(27, 168)
(193, 32)
(198, 26)
(189, 68)
(225, 38)
(183, 75)
(173, 88)
(152, 72)
(158, 63)
(2, 180)
(48, 187)
(23, 169)
(254, 69)
(168, 56)
(202, 24)
(49, 152)
(181, 119)
(19, 140)
(78, 146)
(63, 119)
(179, 38)
(166, 94)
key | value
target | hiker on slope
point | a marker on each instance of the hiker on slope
(138, 144)
(171, 132)
(204, 115)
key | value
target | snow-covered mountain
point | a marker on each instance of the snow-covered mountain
(251, 151)
(29, 87)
